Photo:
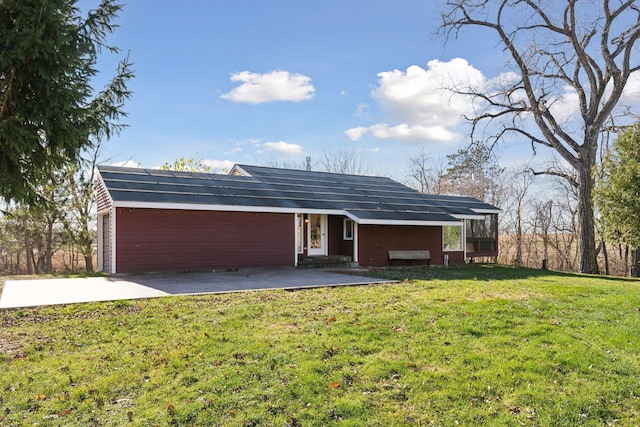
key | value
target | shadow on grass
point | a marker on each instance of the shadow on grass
(478, 272)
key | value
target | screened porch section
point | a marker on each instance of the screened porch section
(482, 236)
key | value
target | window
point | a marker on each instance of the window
(347, 229)
(451, 238)
(482, 235)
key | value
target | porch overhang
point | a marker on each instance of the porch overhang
(406, 218)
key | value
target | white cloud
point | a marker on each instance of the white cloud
(127, 164)
(404, 132)
(565, 105)
(276, 85)
(283, 147)
(219, 166)
(421, 102)
(424, 96)
(232, 151)
(416, 133)
(355, 134)
(362, 111)
(631, 92)
(252, 141)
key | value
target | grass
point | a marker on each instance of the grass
(477, 345)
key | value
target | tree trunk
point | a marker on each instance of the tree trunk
(587, 237)
(635, 263)
(626, 260)
(86, 244)
(518, 258)
(545, 231)
(27, 249)
(606, 258)
(35, 263)
(88, 263)
(48, 252)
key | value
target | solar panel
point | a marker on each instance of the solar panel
(366, 197)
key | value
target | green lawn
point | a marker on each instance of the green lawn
(476, 345)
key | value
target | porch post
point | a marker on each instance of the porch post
(114, 239)
(296, 218)
(464, 239)
(355, 241)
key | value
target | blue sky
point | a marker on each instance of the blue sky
(256, 82)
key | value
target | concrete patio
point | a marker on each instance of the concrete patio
(41, 292)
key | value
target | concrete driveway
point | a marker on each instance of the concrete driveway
(39, 292)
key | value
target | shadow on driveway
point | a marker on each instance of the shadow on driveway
(39, 292)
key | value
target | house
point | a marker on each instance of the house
(154, 220)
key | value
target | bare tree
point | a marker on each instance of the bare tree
(587, 46)
(39, 227)
(291, 163)
(346, 160)
(560, 217)
(543, 218)
(427, 174)
(520, 181)
(81, 205)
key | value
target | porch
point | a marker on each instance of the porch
(326, 261)
(324, 240)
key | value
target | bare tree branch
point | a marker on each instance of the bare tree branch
(584, 47)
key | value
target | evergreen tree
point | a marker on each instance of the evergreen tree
(48, 110)
(474, 171)
(617, 194)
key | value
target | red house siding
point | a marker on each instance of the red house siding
(374, 242)
(337, 244)
(181, 240)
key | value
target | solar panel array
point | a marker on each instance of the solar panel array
(364, 197)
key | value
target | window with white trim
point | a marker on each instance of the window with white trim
(451, 238)
(347, 229)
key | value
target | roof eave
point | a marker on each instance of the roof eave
(226, 208)
(487, 211)
(407, 222)
(467, 216)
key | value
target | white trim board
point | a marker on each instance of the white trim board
(268, 209)
(225, 208)
(487, 211)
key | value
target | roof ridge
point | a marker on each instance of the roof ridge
(312, 171)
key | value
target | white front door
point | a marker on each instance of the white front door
(317, 235)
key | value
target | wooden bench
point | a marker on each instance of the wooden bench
(410, 256)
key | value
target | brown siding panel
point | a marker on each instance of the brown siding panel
(374, 242)
(181, 240)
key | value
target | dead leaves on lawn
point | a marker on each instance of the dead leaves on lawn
(11, 348)
(329, 353)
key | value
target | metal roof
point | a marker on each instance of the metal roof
(365, 199)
